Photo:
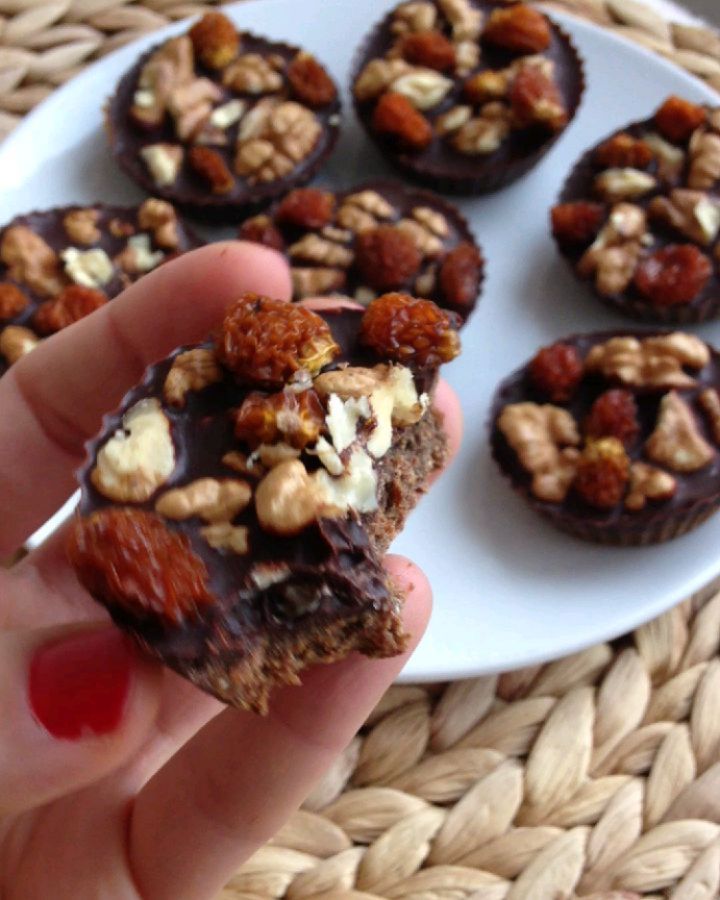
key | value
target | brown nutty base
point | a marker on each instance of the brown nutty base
(248, 684)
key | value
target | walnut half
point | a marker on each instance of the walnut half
(676, 441)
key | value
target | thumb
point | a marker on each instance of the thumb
(76, 703)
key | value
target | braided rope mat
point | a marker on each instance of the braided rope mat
(595, 776)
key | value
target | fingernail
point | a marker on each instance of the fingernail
(79, 684)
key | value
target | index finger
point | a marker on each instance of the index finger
(53, 400)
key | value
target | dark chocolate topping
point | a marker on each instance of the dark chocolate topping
(445, 168)
(190, 192)
(695, 490)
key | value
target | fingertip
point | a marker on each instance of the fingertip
(414, 585)
(264, 265)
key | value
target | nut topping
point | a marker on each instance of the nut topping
(163, 162)
(709, 400)
(224, 536)
(208, 498)
(704, 160)
(654, 363)
(251, 73)
(30, 260)
(192, 370)
(283, 137)
(648, 483)
(160, 218)
(692, 213)
(676, 441)
(88, 268)
(16, 341)
(139, 458)
(288, 499)
(543, 438)
(614, 185)
(80, 226)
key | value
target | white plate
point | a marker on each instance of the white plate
(509, 590)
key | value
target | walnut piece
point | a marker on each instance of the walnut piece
(676, 441)
(378, 75)
(163, 162)
(288, 499)
(251, 73)
(224, 536)
(138, 458)
(138, 256)
(648, 483)
(709, 400)
(312, 248)
(31, 261)
(281, 138)
(371, 202)
(466, 21)
(159, 217)
(614, 254)
(692, 213)
(655, 363)
(670, 159)
(16, 341)
(244, 464)
(192, 370)
(415, 16)
(81, 226)
(209, 498)
(543, 438)
(169, 67)
(191, 105)
(424, 88)
(704, 160)
(89, 268)
(483, 134)
(614, 185)
(426, 242)
(313, 281)
(453, 119)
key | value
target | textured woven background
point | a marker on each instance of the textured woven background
(594, 776)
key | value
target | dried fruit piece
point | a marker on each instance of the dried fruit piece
(307, 208)
(212, 167)
(676, 119)
(535, 99)
(386, 256)
(623, 150)
(12, 300)
(520, 28)
(309, 81)
(556, 371)
(129, 558)
(410, 330)
(577, 223)
(395, 115)
(428, 48)
(71, 304)
(260, 230)
(265, 341)
(459, 275)
(675, 274)
(215, 40)
(287, 416)
(613, 414)
(603, 471)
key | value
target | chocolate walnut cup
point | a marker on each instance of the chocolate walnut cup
(220, 121)
(59, 265)
(466, 95)
(614, 437)
(639, 216)
(235, 509)
(375, 237)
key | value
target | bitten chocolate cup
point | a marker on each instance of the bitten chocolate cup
(627, 452)
(221, 122)
(236, 508)
(466, 97)
(58, 265)
(374, 237)
(639, 215)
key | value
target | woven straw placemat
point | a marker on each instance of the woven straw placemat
(595, 776)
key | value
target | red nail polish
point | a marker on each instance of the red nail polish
(79, 684)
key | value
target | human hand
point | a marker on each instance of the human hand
(118, 778)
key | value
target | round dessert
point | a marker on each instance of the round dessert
(614, 437)
(639, 216)
(58, 265)
(466, 95)
(376, 237)
(235, 510)
(220, 121)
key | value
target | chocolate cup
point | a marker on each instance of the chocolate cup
(458, 173)
(578, 186)
(189, 193)
(405, 198)
(48, 224)
(698, 493)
